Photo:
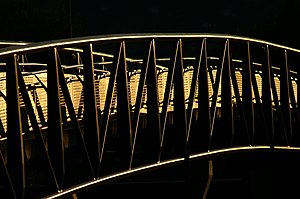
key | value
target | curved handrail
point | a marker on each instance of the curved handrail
(135, 171)
(5, 44)
(112, 37)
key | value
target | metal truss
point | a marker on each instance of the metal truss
(125, 104)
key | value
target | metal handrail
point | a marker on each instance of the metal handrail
(118, 37)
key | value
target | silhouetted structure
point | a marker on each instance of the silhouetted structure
(80, 113)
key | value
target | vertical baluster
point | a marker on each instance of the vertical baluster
(204, 120)
(138, 102)
(124, 132)
(90, 114)
(166, 100)
(153, 118)
(15, 150)
(36, 129)
(266, 97)
(108, 105)
(76, 128)
(247, 94)
(240, 128)
(196, 139)
(180, 119)
(215, 98)
(226, 102)
(55, 130)
(294, 95)
(281, 136)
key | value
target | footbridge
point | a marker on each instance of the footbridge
(77, 114)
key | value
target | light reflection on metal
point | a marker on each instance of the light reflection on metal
(158, 165)
(92, 39)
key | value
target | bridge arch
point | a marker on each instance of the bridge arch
(119, 104)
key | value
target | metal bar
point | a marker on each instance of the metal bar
(261, 120)
(209, 179)
(285, 98)
(226, 136)
(153, 132)
(278, 138)
(191, 99)
(138, 103)
(298, 90)
(55, 130)
(78, 76)
(281, 136)
(204, 120)
(107, 107)
(295, 114)
(242, 134)
(247, 95)
(81, 104)
(79, 63)
(215, 94)
(15, 150)
(124, 131)
(113, 38)
(266, 97)
(90, 114)
(39, 80)
(6, 181)
(2, 95)
(180, 119)
(36, 129)
(152, 167)
(24, 116)
(39, 108)
(76, 128)
(166, 101)
(2, 130)
(298, 98)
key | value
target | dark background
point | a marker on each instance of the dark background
(40, 20)
(272, 20)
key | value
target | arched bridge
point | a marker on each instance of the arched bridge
(79, 113)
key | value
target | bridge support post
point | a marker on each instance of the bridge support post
(210, 176)
(55, 130)
(15, 149)
(74, 196)
(199, 179)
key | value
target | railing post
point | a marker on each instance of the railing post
(266, 96)
(15, 150)
(226, 102)
(197, 139)
(209, 178)
(153, 133)
(36, 129)
(55, 130)
(138, 102)
(91, 126)
(166, 101)
(204, 120)
(76, 128)
(124, 131)
(247, 94)
(285, 97)
(180, 119)
(200, 179)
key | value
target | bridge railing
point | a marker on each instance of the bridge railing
(119, 102)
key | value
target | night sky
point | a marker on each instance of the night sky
(36, 20)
